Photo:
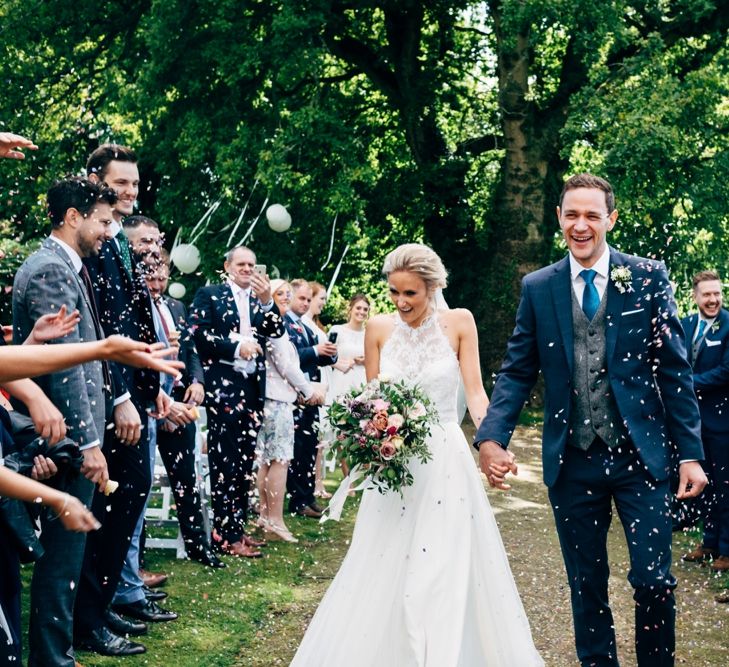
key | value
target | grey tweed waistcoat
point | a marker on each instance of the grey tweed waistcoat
(593, 411)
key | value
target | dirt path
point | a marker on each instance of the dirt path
(527, 528)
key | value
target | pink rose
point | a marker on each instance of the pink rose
(396, 420)
(380, 405)
(418, 410)
(371, 430)
(387, 450)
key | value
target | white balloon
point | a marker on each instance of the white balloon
(279, 219)
(176, 290)
(186, 257)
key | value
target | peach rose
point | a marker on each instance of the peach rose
(380, 421)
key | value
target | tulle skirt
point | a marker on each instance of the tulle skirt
(426, 581)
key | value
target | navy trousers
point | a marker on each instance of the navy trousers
(581, 499)
(716, 465)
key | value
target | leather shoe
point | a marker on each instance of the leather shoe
(720, 564)
(308, 511)
(145, 610)
(206, 557)
(699, 555)
(123, 626)
(251, 542)
(153, 595)
(152, 579)
(722, 597)
(104, 642)
(317, 507)
(240, 549)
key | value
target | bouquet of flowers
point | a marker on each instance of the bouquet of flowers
(379, 427)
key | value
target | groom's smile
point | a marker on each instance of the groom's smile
(585, 221)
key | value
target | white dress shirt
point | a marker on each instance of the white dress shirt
(602, 270)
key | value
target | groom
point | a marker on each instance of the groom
(602, 328)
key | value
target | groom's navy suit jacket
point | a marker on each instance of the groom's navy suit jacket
(645, 357)
(711, 371)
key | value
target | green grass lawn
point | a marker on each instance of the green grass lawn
(226, 612)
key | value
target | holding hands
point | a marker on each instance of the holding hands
(496, 462)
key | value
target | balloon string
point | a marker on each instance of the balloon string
(331, 243)
(336, 271)
(253, 224)
(240, 217)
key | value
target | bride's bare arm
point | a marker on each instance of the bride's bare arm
(470, 363)
(376, 333)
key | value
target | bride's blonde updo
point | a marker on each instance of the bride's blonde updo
(419, 259)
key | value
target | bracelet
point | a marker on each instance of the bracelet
(63, 507)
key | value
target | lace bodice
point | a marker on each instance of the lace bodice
(425, 357)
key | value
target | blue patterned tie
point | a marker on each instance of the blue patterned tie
(590, 298)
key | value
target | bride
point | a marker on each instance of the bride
(426, 581)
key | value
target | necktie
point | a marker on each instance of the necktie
(124, 251)
(699, 337)
(244, 310)
(86, 278)
(590, 297)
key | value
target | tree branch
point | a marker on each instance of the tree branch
(479, 145)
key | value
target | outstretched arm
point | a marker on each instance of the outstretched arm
(22, 361)
(70, 510)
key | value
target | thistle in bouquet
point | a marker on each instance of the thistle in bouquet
(380, 428)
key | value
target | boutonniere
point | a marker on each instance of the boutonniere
(715, 327)
(623, 278)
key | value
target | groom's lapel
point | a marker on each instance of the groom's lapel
(561, 286)
(614, 312)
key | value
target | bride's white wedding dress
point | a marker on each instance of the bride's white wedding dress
(426, 580)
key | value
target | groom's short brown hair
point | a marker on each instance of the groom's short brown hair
(586, 180)
(705, 276)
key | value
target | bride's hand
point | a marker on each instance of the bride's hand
(496, 462)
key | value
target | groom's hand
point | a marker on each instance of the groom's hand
(691, 480)
(496, 462)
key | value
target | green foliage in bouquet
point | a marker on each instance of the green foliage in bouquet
(382, 426)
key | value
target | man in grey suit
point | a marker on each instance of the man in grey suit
(54, 276)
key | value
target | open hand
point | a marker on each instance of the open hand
(141, 355)
(9, 142)
(53, 325)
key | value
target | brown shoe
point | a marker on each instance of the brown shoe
(253, 543)
(240, 549)
(152, 579)
(723, 597)
(309, 512)
(699, 555)
(720, 564)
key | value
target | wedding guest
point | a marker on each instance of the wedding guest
(349, 371)
(312, 356)
(312, 320)
(230, 324)
(707, 344)
(125, 308)
(176, 435)
(132, 597)
(284, 382)
(54, 276)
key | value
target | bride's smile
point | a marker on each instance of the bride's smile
(411, 297)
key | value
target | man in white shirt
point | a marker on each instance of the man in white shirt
(230, 324)
(54, 276)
